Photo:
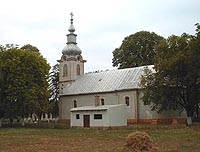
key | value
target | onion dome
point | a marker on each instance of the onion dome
(71, 49)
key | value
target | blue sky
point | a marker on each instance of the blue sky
(101, 25)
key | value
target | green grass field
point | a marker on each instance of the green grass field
(168, 138)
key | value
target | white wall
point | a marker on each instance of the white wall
(118, 116)
(93, 122)
(112, 99)
(115, 116)
(66, 102)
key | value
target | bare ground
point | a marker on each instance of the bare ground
(61, 144)
(168, 139)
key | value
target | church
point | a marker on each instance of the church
(114, 87)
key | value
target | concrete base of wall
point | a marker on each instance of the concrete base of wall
(158, 121)
(102, 127)
(66, 121)
(135, 121)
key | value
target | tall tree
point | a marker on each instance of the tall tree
(24, 78)
(175, 84)
(136, 50)
(54, 89)
(2, 101)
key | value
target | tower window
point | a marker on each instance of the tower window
(78, 69)
(65, 70)
(127, 100)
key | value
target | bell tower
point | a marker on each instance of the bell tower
(71, 62)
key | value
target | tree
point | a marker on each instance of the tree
(136, 50)
(2, 78)
(30, 48)
(2, 104)
(24, 75)
(54, 89)
(175, 83)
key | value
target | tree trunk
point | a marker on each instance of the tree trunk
(189, 121)
(11, 121)
(1, 122)
(189, 117)
(23, 124)
(197, 112)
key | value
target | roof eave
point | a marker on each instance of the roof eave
(113, 91)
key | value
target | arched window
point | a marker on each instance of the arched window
(102, 101)
(78, 69)
(65, 72)
(75, 103)
(127, 100)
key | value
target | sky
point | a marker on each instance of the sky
(101, 25)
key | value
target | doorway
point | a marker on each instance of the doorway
(86, 121)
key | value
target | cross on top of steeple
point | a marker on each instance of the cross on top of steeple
(71, 17)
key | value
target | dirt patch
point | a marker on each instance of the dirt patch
(140, 141)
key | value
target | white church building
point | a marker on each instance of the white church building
(77, 90)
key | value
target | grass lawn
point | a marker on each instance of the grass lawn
(168, 138)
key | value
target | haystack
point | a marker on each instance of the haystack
(140, 141)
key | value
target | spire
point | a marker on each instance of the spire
(71, 48)
(71, 17)
(71, 28)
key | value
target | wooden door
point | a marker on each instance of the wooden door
(86, 121)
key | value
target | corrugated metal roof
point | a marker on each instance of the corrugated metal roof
(107, 81)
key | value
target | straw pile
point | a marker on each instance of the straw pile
(140, 141)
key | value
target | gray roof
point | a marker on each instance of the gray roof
(108, 81)
(71, 49)
(95, 108)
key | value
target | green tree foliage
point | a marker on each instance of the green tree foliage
(30, 48)
(136, 50)
(24, 85)
(54, 89)
(2, 103)
(175, 84)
